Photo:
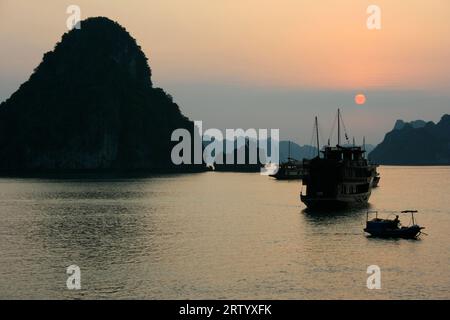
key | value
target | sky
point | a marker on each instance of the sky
(265, 63)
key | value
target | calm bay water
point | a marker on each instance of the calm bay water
(217, 235)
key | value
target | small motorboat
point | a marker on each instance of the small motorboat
(392, 228)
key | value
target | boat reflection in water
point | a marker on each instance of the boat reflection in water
(338, 176)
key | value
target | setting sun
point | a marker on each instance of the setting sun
(360, 99)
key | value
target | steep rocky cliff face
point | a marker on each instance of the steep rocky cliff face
(90, 105)
(416, 143)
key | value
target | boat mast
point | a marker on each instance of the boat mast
(289, 151)
(317, 134)
(339, 126)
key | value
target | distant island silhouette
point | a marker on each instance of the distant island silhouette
(90, 105)
(415, 143)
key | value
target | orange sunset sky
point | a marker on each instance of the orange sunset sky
(263, 59)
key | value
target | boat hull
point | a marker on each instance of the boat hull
(405, 233)
(375, 182)
(286, 177)
(343, 201)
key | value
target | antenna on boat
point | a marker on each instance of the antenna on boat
(354, 141)
(364, 143)
(317, 134)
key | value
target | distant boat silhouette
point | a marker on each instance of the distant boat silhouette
(290, 170)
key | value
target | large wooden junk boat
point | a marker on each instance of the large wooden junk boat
(338, 176)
